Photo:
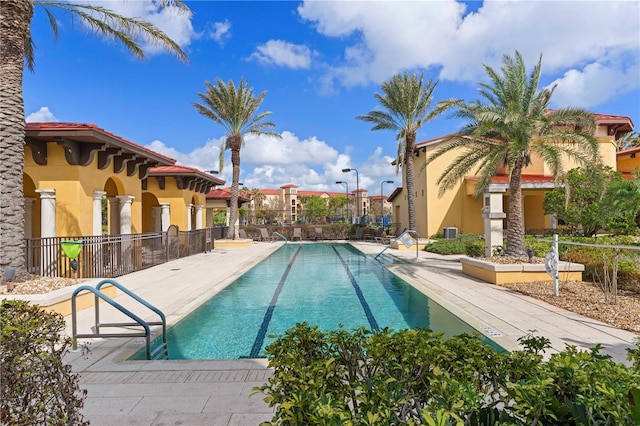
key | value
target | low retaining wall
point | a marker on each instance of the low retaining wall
(60, 300)
(498, 273)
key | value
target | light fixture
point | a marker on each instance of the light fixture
(346, 193)
(10, 275)
(382, 201)
(357, 190)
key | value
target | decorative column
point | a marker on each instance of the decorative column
(165, 216)
(189, 215)
(48, 230)
(125, 213)
(125, 259)
(97, 211)
(493, 215)
(114, 216)
(198, 210)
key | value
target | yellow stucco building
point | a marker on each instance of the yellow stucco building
(458, 208)
(80, 180)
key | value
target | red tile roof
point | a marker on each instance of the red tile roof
(67, 127)
(184, 170)
(629, 151)
(525, 178)
(224, 194)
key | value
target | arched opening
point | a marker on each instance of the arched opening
(151, 213)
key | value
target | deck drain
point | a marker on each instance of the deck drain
(491, 332)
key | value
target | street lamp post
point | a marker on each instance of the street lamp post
(382, 200)
(346, 192)
(357, 190)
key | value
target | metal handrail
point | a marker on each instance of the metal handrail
(282, 237)
(409, 232)
(138, 321)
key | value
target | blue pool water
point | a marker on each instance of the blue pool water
(324, 284)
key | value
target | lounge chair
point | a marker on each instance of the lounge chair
(396, 233)
(264, 235)
(377, 237)
(318, 233)
(297, 233)
(243, 234)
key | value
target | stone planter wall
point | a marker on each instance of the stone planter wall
(498, 273)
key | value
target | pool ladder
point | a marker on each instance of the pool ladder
(161, 351)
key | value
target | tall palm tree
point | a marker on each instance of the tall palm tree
(235, 109)
(506, 127)
(407, 107)
(16, 49)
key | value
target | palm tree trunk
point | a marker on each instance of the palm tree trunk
(515, 222)
(236, 144)
(410, 143)
(15, 21)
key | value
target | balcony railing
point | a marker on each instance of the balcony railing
(108, 256)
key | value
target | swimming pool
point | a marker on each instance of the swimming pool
(324, 284)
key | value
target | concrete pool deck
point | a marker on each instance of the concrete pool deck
(219, 392)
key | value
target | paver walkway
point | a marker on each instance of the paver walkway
(184, 392)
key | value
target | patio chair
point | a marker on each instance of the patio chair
(297, 233)
(264, 235)
(396, 233)
(318, 233)
(377, 237)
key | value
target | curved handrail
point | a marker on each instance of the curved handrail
(98, 294)
(406, 231)
(138, 299)
(282, 237)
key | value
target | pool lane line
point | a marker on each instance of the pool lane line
(367, 310)
(257, 344)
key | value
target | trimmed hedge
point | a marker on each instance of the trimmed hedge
(415, 377)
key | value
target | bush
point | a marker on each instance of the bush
(418, 377)
(37, 387)
(453, 246)
(474, 249)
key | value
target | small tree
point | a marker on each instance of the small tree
(314, 208)
(594, 199)
(37, 387)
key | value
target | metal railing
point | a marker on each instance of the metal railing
(161, 350)
(110, 256)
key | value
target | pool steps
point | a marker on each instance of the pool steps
(161, 351)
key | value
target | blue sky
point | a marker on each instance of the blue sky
(321, 63)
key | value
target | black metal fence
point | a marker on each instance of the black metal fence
(108, 256)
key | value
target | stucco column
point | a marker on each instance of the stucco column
(125, 213)
(493, 215)
(114, 216)
(165, 216)
(47, 230)
(189, 215)
(97, 211)
(198, 211)
(47, 212)
(28, 217)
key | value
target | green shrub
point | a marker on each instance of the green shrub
(453, 246)
(37, 387)
(474, 249)
(413, 377)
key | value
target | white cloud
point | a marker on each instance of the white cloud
(441, 36)
(594, 84)
(266, 162)
(284, 54)
(41, 115)
(220, 32)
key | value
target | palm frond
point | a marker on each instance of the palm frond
(124, 29)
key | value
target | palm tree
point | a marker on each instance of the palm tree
(407, 107)
(513, 122)
(16, 49)
(235, 109)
